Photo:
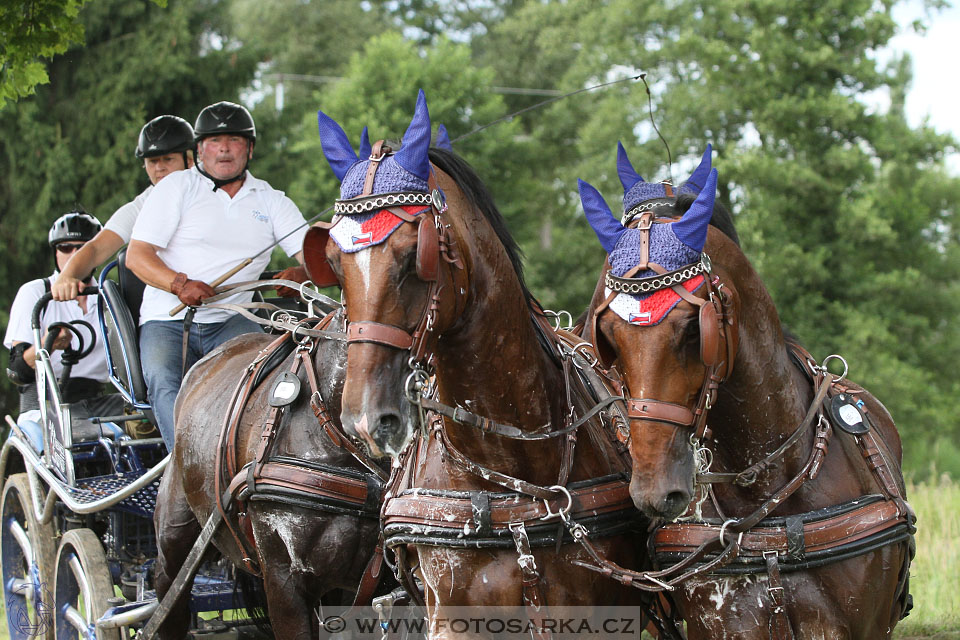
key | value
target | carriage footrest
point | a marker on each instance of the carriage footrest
(142, 502)
(210, 596)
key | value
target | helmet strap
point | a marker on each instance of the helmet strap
(217, 182)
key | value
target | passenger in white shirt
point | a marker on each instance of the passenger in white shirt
(85, 386)
(165, 145)
(195, 226)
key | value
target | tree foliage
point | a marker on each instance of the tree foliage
(847, 211)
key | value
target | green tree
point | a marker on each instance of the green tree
(72, 142)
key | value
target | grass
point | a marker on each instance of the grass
(934, 575)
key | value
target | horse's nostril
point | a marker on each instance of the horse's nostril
(389, 423)
(675, 503)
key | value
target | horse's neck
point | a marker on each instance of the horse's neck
(765, 399)
(493, 364)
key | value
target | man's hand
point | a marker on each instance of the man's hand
(190, 292)
(66, 288)
(297, 274)
(62, 341)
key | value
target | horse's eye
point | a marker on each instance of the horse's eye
(689, 333)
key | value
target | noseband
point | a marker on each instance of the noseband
(433, 242)
(717, 323)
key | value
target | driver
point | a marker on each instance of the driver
(165, 145)
(85, 384)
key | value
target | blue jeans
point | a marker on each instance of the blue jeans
(161, 348)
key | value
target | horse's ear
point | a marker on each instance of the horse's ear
(691, 229)
(628, 175)
(695, 182)
(413, 155)
(365, 147)
(443, 138)
(608, 228)
(336, 145)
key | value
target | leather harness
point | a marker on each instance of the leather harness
(481, 519)
(758, 543)
(285, 479)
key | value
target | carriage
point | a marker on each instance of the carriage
(78, 544)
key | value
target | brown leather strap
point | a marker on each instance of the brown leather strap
(780, 628)
(366, 331)
(818, 535)
(377, 153)
(534, 600)
(454, 512)
(658, 411)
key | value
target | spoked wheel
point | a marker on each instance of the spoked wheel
(26, 563)
(82, 587)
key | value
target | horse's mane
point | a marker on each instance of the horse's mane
(721, 219)
(480, 197)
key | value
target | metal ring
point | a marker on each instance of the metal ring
(834, 356)
(413, 385)
(564, 511)
(723, 529)
(293, 335)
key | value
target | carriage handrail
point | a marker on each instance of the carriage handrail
(35, 467)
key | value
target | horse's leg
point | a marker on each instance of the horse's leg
(177, 529)
(289, 604)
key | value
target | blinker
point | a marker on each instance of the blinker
(285, 390)
(847, 415)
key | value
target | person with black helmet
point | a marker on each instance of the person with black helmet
(85, 386)
(195, 226)
(166, 144)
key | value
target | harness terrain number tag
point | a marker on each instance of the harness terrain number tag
(847, 415)
(285, 390)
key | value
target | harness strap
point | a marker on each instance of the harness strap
(780, 628)
(187, 323)
(534, 600)
(384, 334)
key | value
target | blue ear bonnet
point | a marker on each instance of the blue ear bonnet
(666, 249)
(640, 191)
(391, 177)
(406, 170)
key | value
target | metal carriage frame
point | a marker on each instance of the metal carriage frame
(77, 540)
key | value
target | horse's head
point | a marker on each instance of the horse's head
(667, 317)
(391, 253)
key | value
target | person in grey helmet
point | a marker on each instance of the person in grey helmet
(85, 386)
(165, 145)
(195, 226)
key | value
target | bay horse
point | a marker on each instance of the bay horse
(439, 318)
(307, 545)
(777, 485)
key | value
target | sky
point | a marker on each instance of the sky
(935, 94)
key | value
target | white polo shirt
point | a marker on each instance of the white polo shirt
(94, 366)
(205, 233)
(123, 219)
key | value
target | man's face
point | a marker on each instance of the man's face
(159, 167)
(65, 250)
(224, 156)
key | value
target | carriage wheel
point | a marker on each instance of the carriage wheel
(82, 587)
(26, 563)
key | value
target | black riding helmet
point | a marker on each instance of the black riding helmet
(75, 226)
(163, 135)
(223, 118)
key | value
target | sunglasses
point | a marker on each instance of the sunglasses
(68, 248)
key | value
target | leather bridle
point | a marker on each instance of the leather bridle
(433, 244)
(718, 323)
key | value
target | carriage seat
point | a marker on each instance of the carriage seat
(121, 310)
